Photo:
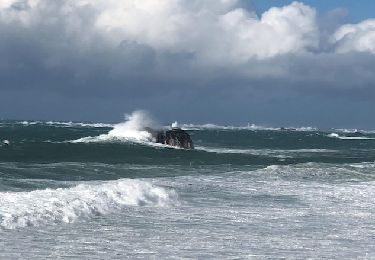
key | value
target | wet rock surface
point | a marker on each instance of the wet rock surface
(174, 137)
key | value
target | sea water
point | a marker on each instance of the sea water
(101, 191)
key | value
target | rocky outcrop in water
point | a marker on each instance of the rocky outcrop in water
(174, 137)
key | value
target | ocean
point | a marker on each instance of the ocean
(103, 191)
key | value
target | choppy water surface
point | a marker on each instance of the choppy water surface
(99, 191)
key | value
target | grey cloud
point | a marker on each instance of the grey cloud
(55, 62)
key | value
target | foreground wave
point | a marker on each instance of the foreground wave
(84, 201)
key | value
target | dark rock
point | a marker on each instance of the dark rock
(174, 137)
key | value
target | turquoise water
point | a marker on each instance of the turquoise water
(100, 191)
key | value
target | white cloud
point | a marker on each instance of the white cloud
(172, 37)
(6, 3)
(215, 32)
(356, 37)
(227, 34)
(290, 29)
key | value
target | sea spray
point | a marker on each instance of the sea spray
(134, 126)
(133, 129)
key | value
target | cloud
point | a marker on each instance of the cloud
(157, 54)
(212, 31)
(356, 37)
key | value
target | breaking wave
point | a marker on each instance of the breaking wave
(252, 127)
(354, 131)
(133, 129)
(334, 135)
(65, 124)
(218, 127)
(67, 205)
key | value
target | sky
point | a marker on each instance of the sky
(274, 63)
(356, 11)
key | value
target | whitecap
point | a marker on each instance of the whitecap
(84, 201)
(335, 135)
(133, 129)
(268, 152)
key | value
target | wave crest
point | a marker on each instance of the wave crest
(334, 135)
(133, 129)
(67, 205)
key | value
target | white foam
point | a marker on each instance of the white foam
(344, 130)
(226, 150)
(67, 205)
(174, 124)
(306, 128)
(221, 127)
(267, 152)
(252, 127)
(352, 171)
(354, 131)
(65, 124)
(79, 124)
(133, 129)
(355, 138)
(105, 138)
(335, 135)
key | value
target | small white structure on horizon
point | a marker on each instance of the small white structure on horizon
(175, 124)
